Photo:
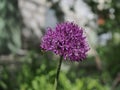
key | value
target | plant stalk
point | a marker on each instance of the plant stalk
(58, 72)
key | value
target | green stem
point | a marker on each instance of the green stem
(58, 72)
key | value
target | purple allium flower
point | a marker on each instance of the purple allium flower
(66, 39)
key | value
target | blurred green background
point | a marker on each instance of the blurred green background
(23, 66)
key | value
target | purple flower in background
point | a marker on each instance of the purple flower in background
(66, 39)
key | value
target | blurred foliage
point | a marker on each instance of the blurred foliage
(36, 75)
(110, 19)
(10, 23)
(37, 71)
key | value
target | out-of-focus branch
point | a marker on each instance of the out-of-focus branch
(116, 82)
(97, 59)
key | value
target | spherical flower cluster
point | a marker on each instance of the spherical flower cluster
(66, 39)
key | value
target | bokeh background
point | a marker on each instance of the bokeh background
(23, 66)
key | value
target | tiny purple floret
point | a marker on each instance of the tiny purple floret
(66, 39)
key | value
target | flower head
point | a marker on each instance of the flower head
(66, 39)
